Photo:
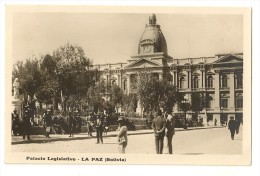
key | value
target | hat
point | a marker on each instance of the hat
(120, 118)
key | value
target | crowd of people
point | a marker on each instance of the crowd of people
(163, 125)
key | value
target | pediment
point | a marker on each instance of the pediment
(143, 63)
(229, 58)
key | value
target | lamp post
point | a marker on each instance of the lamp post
(221, 116)
(185, 104)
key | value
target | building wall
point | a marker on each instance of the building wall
(220, 78)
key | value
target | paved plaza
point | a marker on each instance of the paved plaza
(215, 141)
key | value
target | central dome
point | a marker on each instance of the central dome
(152, 39)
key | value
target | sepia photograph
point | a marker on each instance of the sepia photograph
(125, 85)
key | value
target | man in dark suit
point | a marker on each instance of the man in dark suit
(232, 125)
(26, 123)
(170, 123)
(99, 128)
(48, 123)
(159, 125)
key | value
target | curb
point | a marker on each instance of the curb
(46, 140)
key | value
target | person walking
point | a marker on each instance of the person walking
(15, 123)
(122, 135)
(48, 123)
(72, 124)
(170, 123)
(99, 129)
(237, 125)
(232, 127)
(159, 125)
(26, 123)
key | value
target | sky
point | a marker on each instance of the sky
(114, 37)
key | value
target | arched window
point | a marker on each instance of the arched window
(224, 81)
(195, 83)
(113, 82)
(210, 81)
(209, 101)
(182, 82)
(239, 101)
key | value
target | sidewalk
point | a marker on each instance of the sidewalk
(81, 136)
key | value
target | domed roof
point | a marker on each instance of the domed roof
(153, 35)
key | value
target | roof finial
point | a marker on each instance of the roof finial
(152, 19)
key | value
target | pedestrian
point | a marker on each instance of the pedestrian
(48, 123)
(26, 123)
(159, 125)
(15, 123)
(99, 128)
(72, 124)
(106, 125)
(79, 121)
(232, 126)
(215, 122)
(237, 125)
(170, 123)
(122, 135)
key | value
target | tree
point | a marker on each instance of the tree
(116, 96)
(154, 94)
(75, 73)
(168, 95)
(95, 96)
(148, 91)
(129, 102)
(198, 103)
(49, 90)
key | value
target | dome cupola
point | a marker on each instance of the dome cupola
(152, 39)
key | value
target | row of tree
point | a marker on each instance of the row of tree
(67, 77)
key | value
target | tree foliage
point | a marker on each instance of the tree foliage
(116, 96)
(198, 102)
(129, 102)
(95, 96)
(154, 94)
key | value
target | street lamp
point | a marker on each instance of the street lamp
(221, 115)
(185, 104)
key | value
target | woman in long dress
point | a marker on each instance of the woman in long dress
(122, 135)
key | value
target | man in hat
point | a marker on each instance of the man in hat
(15, 123)
(122, 134)
(159, 125)
(26, 123)
(72, 124)
(47, 121)
(170, 123)
(99, 128)
(232, 126)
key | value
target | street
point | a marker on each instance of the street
(192, 142)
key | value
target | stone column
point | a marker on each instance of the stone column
(231, 82)
(174, 78)
(119, 81)
(202, 79)
(189, 79)
(217, 97)
(128, 83)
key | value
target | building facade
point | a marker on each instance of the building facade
(219, 77)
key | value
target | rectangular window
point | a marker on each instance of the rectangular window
(239, 81)
(224, 103)
(239, 103)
